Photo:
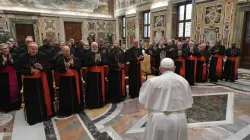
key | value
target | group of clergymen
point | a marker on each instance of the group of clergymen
(35, 65)
(197, 62)
(29, 68)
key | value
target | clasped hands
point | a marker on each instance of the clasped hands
(68, 64)
(121, 65)
(140, 57)
(37, 68)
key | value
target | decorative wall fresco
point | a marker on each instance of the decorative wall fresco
(213, 14)
(158, 24)
(97, 6)
(211, 35)
(49, 28)
(214, 21)
(100, 29)
(127, 3)
(130, 30)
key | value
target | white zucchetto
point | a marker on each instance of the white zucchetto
(167, 63)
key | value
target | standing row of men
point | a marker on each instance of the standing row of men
(36, 65)
(197, 62)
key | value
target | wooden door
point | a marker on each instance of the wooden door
(73, 30)
(245, 49)
(22, 31)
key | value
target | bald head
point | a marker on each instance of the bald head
(32, 48)
(167, 64)
(65, 51)
(135, 43)
(94, 47)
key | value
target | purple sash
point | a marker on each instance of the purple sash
(13, 83)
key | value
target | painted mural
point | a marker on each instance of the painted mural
(158, 22)
(101, 29)
(214, 21)
(97, 6)
(127, 3)
(49, 28)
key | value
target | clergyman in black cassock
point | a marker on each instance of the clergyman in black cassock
(37, 100)
(70, 93)
(182, 54)
(134, 56)
(116, 61)
(95, 85)
(50, 52)
(201, 66)
(231, 65)
(9, 88)
(216, 63)
(190, 63)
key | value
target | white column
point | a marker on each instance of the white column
(193, 19)
(169, 21)
(62, 31)
(85, 30)
(137, 24)
(117, 28)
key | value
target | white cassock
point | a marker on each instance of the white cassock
(166, 97)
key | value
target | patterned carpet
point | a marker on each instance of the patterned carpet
(242, 84)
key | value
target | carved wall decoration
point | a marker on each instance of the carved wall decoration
(226, 36)
(101, 35)
(131, 24)
(211, 35)
(228, 12)
(49, 28)
(213, 14)
(159, 35)
(100, 6)
(50, 35)
(99, 29)
(199, 13)
(159, 21)
(217, 23)
(130, 30)
(91, 26)
(100, 26)
(110, 27)
(49, 24)
(158, 24)
(198, 34)
(120, 28)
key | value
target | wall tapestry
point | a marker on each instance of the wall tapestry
(213, 14)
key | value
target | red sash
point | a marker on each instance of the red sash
(195, 62)
(182, 69)
(139, 63)
(101, 70)
(219, 65)
(234, 59)
(13, 83)
(43, 76)
(204, 67)
(74, 73)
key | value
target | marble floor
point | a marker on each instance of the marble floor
(221, 111)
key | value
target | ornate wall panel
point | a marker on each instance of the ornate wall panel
(199, 13)
(130, 30)
(96, 6)
(100, 29)
(228, 12)
(49, 28)
(158, 25)
(214, 21)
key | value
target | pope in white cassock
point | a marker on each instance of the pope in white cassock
(166, 97)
